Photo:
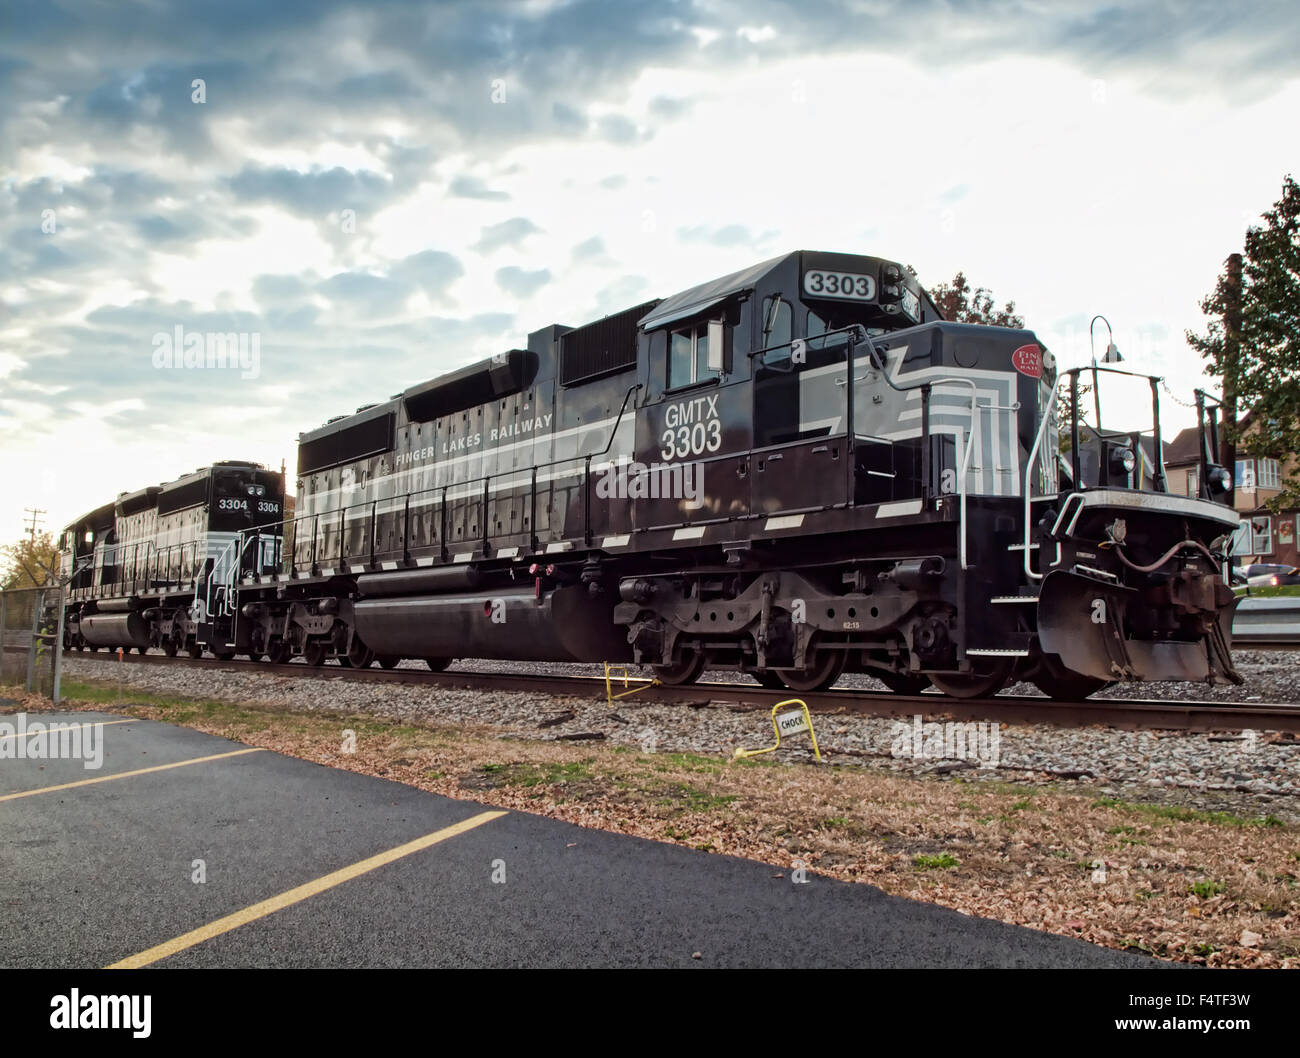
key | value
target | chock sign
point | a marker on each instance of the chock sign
(795, 722)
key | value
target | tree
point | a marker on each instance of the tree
(31, 563)
(957, 302)
(1260, 362)
(1063, 410)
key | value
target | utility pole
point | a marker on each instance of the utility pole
(35, 513)
(1232, 354)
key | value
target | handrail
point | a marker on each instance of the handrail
(848, 330)
(1029, 473)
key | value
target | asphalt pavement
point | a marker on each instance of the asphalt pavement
(186, 849)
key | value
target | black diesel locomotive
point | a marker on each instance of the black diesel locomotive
(795, 470)
(143, 571)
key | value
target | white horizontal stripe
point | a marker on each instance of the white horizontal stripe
(464, 556)
(787, 521)
(615, 541)
(901, 507)
(693, 532)
(508, 552)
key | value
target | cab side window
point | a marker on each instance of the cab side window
(688, 356)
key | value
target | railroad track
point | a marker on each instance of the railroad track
(1113, 712)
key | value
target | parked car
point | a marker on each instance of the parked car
(1271, 574)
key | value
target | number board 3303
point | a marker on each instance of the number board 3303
(820, 283)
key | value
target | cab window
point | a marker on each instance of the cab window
(688, 356)
(776, 322)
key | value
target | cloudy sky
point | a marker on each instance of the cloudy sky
(382, 191)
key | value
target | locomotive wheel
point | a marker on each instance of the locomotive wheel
(170, 647)
(903, 682)
(388, 661)
(826, 668)
(438, 664)
(193, 649)
(768, 678)
(1062, 684)
(279, 652)
(685, 671)
(142, 650)
(223, 655)
(976, 684)
(314, 652)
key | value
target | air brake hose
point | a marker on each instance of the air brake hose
(1119, 550)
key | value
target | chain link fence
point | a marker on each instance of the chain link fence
(31, 639)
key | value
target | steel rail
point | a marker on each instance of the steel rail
(1138, 714)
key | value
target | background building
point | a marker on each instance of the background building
(1264, 535)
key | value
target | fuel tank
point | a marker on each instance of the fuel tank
(565, 624)
(115, 630)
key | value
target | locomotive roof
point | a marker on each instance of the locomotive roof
(682, 305)
(706, 295)
(100, 517)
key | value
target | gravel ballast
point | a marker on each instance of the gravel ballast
(1250, 773)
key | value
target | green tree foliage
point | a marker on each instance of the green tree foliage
(1063, 408)
(960, 303)
(1263, 363)
(30, 563)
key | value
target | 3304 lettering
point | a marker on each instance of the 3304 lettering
(234, 503)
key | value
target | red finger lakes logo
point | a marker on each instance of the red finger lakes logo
(1028, 360)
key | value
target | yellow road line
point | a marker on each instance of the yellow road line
(298, 894)
(89, 723)
(127, 774)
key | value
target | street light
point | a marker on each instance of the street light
(1111, 356)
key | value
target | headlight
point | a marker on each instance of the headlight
(1219, 480)
(1122, 461)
